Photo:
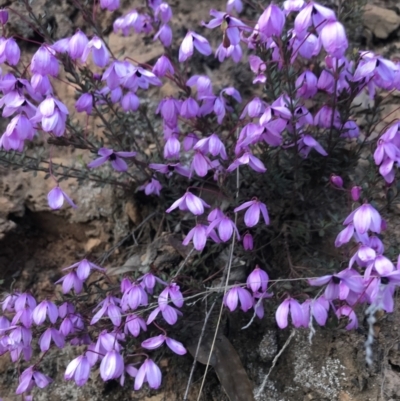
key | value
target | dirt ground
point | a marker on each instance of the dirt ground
(36, 243)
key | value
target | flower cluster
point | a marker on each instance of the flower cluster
(221, 162)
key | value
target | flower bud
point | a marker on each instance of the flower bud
(355, 193)
(337, 181)
(3, 16)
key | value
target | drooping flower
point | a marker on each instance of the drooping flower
(99, 52)
(77, 44)
(236, 294)
(272, 21)
(296, 312)
(148, 372)
(112, 365)
(116, 159)
(365, 218)
(257, 280)
(51, 334)
(248, 158)
(162, 66)
(79, 370)
(83, 268)
(190, 41)
(252, 215)
(189, 202)
(45, 308)
(333, 38)
(29, 377)
(109, 306)
(84, 103)
(56, 198)
(52, 114)
(173, 345)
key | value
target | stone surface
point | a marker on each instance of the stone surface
(380, 21)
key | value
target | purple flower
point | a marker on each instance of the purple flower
(110, 5)
(52, 114)
(306, 143)
(3, 16)
(189, 108)
(271, 21)
(236, 294)
(114, 157)
(340, 284)
(258, 66)
(133, 296)
(189, 202)
(252, 215)
(169, 313)
(171, 291)
(9, 51)
(313, 14)
(71, 280)
(130, 102)
(110, 308)
(191, 40)
(19, 302)
(318, 308)
(248, 242)
(83, 269)
(170, 109)
(99, 52)
(225, 226)
(84, 103)
(213, 145)
(29, 377)
(231, 26)
(344, 236)
(258, 280)
(333, 38)
(234, 5)
(248, 158)
(42, 310)
(355, 193)
(348, 312)
(133, 325)
(163, 12)
(203, 85)
(77, 45)
(336, 180)
(365, 218)
(168, 169)
(148, 372)
(296, 312)
(172, 147)
(78, 369)
(152, 187)
(199, 236)
(306, 85)
(162, 66)
(165, 35)
(44, 62)
(51, 334)
(112, 365)
(324, 118)
(155, 342)
(56, 198)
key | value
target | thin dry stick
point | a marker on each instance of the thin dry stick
(264, 383)
(197, 351)
(227, 273)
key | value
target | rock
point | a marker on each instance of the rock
(380, 21)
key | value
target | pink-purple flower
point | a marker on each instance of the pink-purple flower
(115, 158)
